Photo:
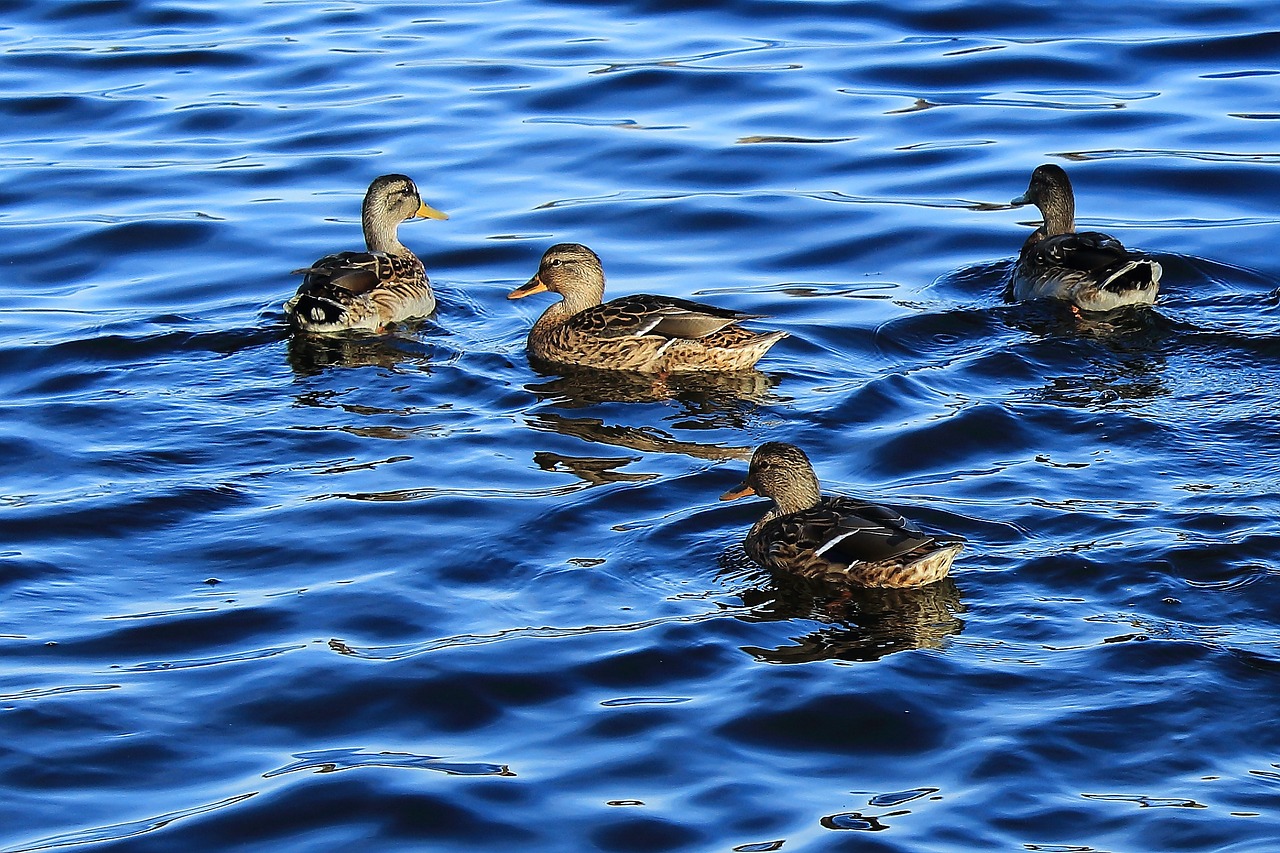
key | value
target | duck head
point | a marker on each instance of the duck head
(782, 472)
(390, 200)
(570, 269)
(1050, 191)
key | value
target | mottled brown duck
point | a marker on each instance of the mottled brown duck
(1091, 270)
(834, 538)
(370, 289)
(641, 333)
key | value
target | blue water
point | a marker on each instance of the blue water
(406, 593)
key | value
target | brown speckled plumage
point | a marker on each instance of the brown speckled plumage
(641, 333)
(1091, 270)
(836, 539)
(367, 290)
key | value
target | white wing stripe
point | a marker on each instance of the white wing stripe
(866, 531)
(644, 330)
(831, 543)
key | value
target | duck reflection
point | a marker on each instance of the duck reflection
(700, 392)
(862, 624)
(1134, 382)
(310, 355)
(646, 439)
(693, 401)
(593, 470)
(1119, 358)
(1129, 326)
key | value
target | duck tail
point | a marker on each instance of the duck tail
(309, 309)
(768, 339)
(761, 344)
(1140, 274)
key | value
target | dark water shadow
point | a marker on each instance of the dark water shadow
(860, 624)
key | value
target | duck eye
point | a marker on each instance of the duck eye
(555, 262)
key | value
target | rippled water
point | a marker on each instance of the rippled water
(407, 593)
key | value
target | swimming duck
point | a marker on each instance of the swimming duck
(641, 333)
(834, 538)
(367, 290)
(1093, 271)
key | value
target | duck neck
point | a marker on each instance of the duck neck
(554, 316)
(574, 300)
(801, 493)
(1059, 212)
(380, 233)
(578, 299)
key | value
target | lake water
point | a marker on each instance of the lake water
(406, 593)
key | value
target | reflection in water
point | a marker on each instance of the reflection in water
(309, 355)
(329, 399)
(1129, 326)
(594, 470)
(1133, 382)
(699, 393)
(426, 493)
(864, 624)
(1127, 362)
(336, 760)
(1075, 100)
(862, 822)
(646, 439)
(701, 60)
(793, 140)
(1189, 154)
(712, 405)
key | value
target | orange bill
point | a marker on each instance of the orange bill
(427, 212)
(739, 491)
(533, 285)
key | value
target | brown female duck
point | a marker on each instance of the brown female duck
(834, 538)
(642, 333)
(1092, 271)
(367, 290)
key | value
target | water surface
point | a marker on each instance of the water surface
(408, 593)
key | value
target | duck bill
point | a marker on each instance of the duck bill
(533, 285)
(1020, 200)
(739, 491)
(427, 212)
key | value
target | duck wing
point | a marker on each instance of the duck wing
(663, 316)
(1086, 251)
(1091, 269)
(348, 274)
(848, 531)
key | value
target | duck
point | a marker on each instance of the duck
(833, 538)
(1091, 270)
(368, 290)
(640, 333)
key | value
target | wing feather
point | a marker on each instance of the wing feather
(663, 316)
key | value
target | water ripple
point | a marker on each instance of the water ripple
(238, 557)
(391, 653)
(121, 831)
(334, 760)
